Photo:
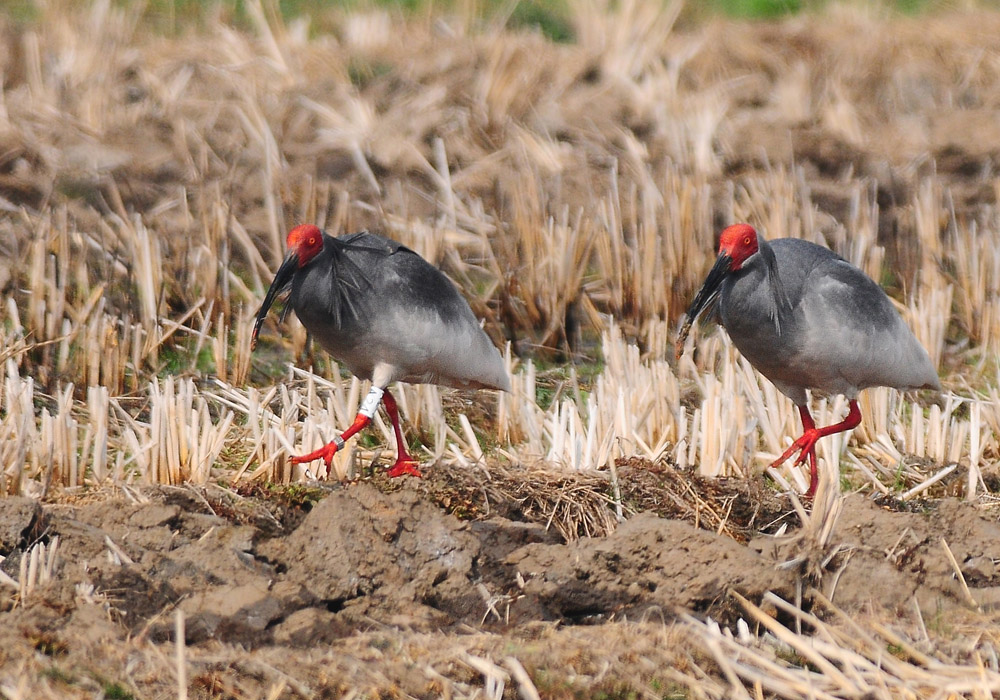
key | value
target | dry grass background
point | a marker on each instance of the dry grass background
(572, 191)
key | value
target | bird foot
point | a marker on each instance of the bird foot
(404, 465)
(326, 453)
(806, 446)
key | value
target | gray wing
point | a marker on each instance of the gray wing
(427, 329)
(852, 331)
(399, 311)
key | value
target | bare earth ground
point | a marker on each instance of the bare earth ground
(380, 587)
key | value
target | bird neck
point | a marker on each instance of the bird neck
(779, 305)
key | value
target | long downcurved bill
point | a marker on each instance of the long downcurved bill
(704, 299)
(281, 278)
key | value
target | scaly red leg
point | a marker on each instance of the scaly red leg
(810, 434)
(405, 463)
(809, 424)
(327, 451)
(364, 417)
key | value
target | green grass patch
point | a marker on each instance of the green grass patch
(755, 9)
(177, 359)
(551, 19)
(116, 691)
(20, 11)
(554, 380)
(57, 675)
(362, 73)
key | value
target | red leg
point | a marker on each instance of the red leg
(810, 434)
(405, 463)
(809, 424)
(328, 450)
(807, 419)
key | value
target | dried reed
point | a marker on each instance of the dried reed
(572, 191)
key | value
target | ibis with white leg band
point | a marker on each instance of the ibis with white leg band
(387, 315)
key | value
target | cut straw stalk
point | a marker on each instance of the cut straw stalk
(844, 660)
(181, 441)
(634, 245)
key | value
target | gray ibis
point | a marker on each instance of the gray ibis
(387, 315)
(806, 318)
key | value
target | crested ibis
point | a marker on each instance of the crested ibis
(806, 318)
(386, 314)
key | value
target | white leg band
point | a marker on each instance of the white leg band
(371, 402)
(339, 442)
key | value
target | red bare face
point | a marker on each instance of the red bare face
(739, 242)
(306, 241)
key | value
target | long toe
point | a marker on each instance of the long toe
(804, 444)
(806, 447)
(404, 466)
(325, 453)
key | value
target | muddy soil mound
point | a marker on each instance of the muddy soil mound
(647, 561)
(361, 556)
(377, 563)
(891, 558)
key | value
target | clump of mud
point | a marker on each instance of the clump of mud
(400, 553)
(369, 573)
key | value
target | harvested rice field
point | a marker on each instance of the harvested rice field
(608, 529)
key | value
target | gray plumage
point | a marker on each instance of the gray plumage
(811, 320)
(388, 315)
(807, 319)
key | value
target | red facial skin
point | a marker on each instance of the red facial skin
(306, 241)
(739, 242)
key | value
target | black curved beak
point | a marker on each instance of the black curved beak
(282, 278)
(704, 299)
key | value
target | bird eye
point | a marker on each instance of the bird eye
(746, 241)
(312, 241)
